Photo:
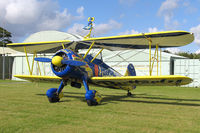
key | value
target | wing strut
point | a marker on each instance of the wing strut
(96, 55)
(155, 57)
(89, 49)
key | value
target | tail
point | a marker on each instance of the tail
(130, 70)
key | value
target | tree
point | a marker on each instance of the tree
(190, 55)
(5, 37)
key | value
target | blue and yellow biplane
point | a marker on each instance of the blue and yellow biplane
(77, 70)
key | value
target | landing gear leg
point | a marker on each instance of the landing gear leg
(92, 96)
(54, 94)
(129, 93)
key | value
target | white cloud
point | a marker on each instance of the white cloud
(128, 32)
(198, 51)
(106, 27)
(166, 10)
(78, 29)
(18, 13)
(154, 29)
(196, 31)
(24, 17)
(174, 50)
(98, 30)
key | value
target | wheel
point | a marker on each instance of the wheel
(53, 99)
(93, 97)
(129, 94)
(91, 103)
(52, 95)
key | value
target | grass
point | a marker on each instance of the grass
(25, 108)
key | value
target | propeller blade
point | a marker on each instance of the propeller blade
(42, 59)
(73, 63)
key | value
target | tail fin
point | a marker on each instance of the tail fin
(130, 70)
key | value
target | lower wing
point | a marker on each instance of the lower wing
(39, 78)
(127, 82)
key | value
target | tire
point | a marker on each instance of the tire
(54, 99)
(129, 94)
(91, 103)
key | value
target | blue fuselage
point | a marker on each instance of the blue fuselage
(97, 68)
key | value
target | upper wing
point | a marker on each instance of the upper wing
(40, 47)
(130, 81)
(139, 41)
(39, 78)
(134, 41)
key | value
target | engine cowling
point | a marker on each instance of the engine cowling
(59, 69)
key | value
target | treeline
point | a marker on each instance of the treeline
(5, 37)
(185, 54)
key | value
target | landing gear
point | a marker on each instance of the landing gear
(92, 97)
(129, 93)
(54, 94)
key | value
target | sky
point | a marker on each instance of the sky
(112, 17)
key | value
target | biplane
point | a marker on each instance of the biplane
(78, 70)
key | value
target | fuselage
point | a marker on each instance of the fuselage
(96, 68)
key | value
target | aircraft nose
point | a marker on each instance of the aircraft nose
(56, 60)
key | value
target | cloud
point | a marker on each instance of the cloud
(106, 27)
(166, 11)
(196, 31)
(24, 17)
(98, 30)
(173, 50)
(198, 51)
(154, 29)
(78, 29)
(150, 30)
(127, 32)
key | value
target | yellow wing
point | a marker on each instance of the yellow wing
(40, 47)
(130, 81)
(35, 78)
(139, 41)
(134, 41)
(126, 82)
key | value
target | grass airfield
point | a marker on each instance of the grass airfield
(25, 108)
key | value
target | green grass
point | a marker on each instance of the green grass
(25, 108)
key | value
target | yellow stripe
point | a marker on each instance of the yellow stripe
(132, 35)
(36, 77)
(31, 43)
(141, 77)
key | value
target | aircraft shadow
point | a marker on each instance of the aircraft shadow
(145, 98)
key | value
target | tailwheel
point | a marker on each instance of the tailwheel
(53, 96)
(129, 93)
(93, 98)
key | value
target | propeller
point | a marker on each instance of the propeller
(42, 59)
(59, 61)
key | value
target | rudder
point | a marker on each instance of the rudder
(130, 71)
